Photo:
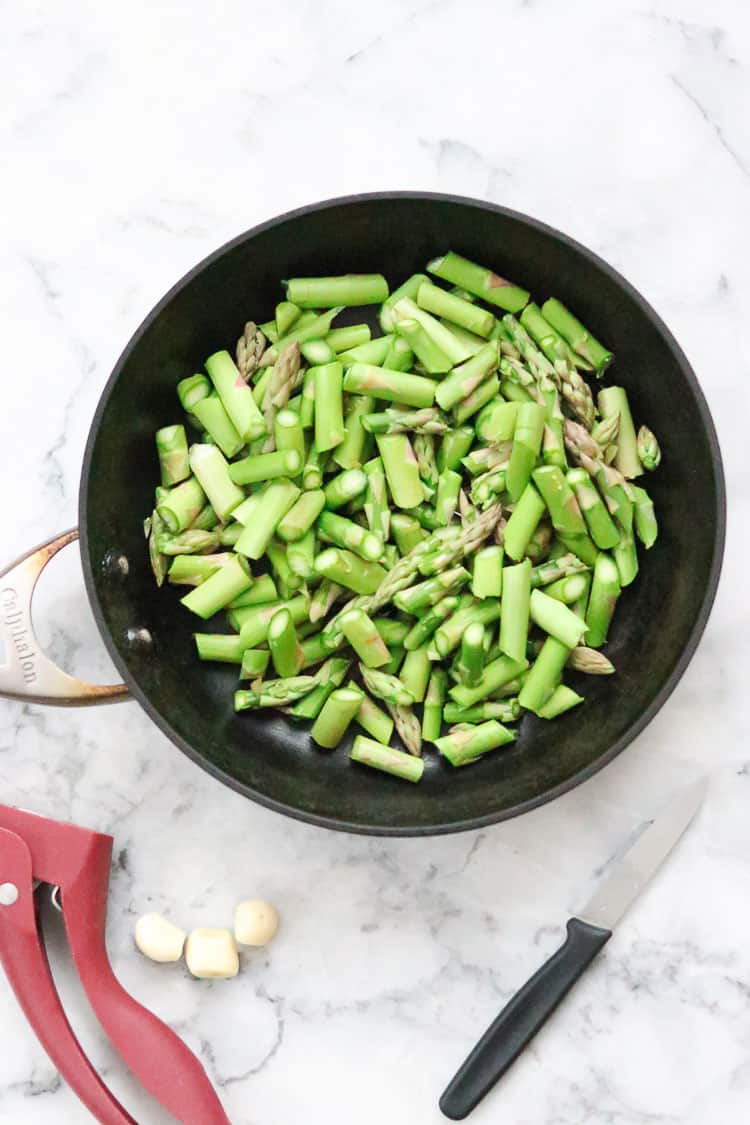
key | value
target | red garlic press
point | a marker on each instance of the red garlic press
(77, 861)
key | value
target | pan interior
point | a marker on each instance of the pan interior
(658, 621)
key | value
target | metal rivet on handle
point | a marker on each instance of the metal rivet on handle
(8, 894)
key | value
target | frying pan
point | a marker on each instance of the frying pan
(659, 620)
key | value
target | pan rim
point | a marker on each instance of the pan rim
(464, 824)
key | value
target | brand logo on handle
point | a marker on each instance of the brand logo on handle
(18, 629)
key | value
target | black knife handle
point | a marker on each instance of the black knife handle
(521, 1018)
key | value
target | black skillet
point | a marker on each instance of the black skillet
(658, 623)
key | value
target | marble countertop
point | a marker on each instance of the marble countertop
(135, 141)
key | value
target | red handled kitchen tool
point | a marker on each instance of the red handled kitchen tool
(36, 850)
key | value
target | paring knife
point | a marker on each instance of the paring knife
(525, 1014)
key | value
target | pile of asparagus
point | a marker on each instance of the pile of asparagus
(447, 504)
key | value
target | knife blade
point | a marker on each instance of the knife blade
(587, 933)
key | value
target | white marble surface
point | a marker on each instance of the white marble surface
(136, 139)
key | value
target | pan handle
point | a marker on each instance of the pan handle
(26, 673)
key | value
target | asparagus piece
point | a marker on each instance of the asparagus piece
(385, 686)
(265, 466)
(466, 743)
(398, 652)
(408, 728)
(554, 346)
(376, 508)
(384, 758)
(179, 508)
(407, 309)
(400, 357)
(605, 590)
(250, 348)
(193, 390)
(424, 451)
(496, 675)
(317, 353)
(478, 280)
(350, 453)
(301, 556)
(345, 533)
(329, 416)
(254, 663)
(373, 351)
(212, 416)
(649, 452)
(394, 421)
(472, 659)
(645, 519)
(590, 661)
(289, 433)
(344, 487)
(393, 386)
(505, 711)
(262, 591)
(236, 396)
(474, 402)
(487, 576)
(432, 712)
(523, 522)
(401, 469)
(467, 376)
(285, 315)
(212, 472)
(454, 447)
(312, 471)
(329, 676)
(337, 713)
(172, 449)
(425, 626)
(448, 636)
(432, 590)
(392, 632)
(598, 520)
(313, 328)
(626, 558)
(190, 570)
(363, 636)
(347, 569)
(286, 651)
(556, 619)
(324, 599)
(274, 693)
(350, 336)
(527, 440)
(407, 531)
(560, 500)
(256, 619)
(446, 499)
(229, 535)
(314, 650)
(223, 647)
(187, 542)
(561, 700)
(327, 292)
(544, 675)
(301, 516)
(568, 590)
(614, 400)
(496, 422)
(218, 590)
(410, 288)
(429, 353)
(538, 547)
(414, 673)
(377, 723)
(275, 502)
(581, 341)
(514, 616)
(444, 304)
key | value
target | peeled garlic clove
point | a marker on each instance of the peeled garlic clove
(255, 922)
(159, 939)
(212, 955)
